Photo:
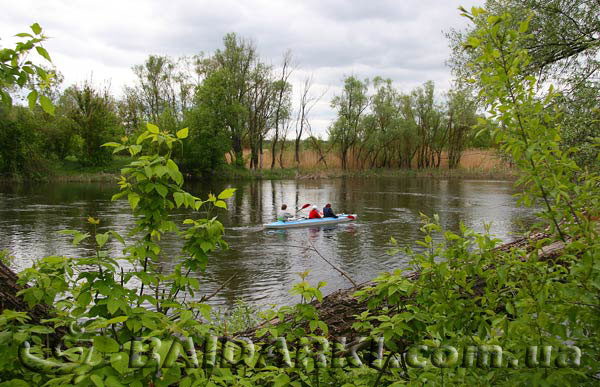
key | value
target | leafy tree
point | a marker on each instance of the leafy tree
(131, 110)
(236, 63)
(204, 152)
(19, 139)
(461, 117)
(382, 124)
(350, 106)
(580, 122)
(430, 131)
(95, 117)
(409, 142)
(20, 143)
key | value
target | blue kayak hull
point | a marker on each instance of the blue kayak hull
(342, 218)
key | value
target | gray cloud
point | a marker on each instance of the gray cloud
(401, 40)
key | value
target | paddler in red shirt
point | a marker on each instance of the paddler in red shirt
(314, 213)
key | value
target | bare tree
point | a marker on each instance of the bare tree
(307, 103)
(282, 103)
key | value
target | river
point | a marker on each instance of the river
(267, 263)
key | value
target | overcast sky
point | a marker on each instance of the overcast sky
(398, 39)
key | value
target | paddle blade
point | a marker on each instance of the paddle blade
(304, 206)
(351, 217)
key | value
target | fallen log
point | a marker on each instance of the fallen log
(9, 288)
(338, 309)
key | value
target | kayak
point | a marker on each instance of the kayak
(342, 218)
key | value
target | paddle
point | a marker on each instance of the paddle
(303, 207)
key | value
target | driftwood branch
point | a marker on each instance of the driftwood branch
(208, 297)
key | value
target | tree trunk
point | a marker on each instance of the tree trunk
(297, 152)
(273, 148)
(9, 299)
(236, 144)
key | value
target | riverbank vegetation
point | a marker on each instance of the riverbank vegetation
(461, 291)
(240, 111)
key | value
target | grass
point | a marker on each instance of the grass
(476, 164)
(232, 173)
(73, 171)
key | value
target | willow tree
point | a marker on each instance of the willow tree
(461, 118)
(430, 131)
(381, 125)
(236, 62)
(350, 105)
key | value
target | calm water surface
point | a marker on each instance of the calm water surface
(267, 262)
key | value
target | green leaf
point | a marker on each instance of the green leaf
(281, 380)
(41, 329)
(79, 237)
(116, 320)
(161, 189)
(206, 246)
(111, 144)
(32, 98)
(134, 199)
(105, 344)
(16, 383)
(152, 128)
(47, 104)
(101, 239)
(35, 27)
(97, 380)
(179, 198)
(117, 237)
(183, 133)
(141, 138)
(113, 306)
(220, 203)
(118, 195)
(84, 299)
(42, 51)
(473, 41)
(135, 149)
(6, 98)
(227, 193)
(524, 26)
(120, 362)
(173, 171)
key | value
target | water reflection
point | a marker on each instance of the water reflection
(266, 263)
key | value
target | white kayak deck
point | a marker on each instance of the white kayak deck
(342, 218)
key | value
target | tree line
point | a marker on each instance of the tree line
(232, 101)
(237, 105)
(388, 128)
